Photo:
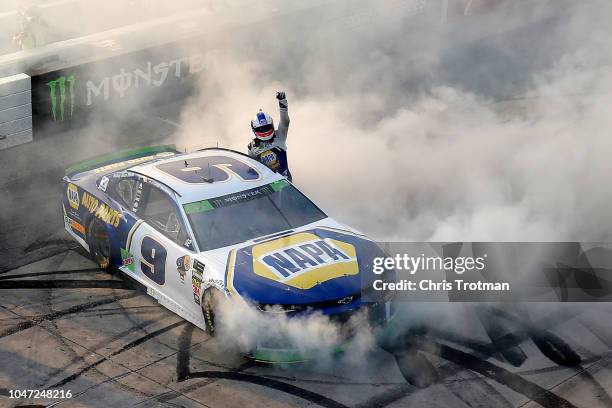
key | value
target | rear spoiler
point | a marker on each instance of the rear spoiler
(119, 160)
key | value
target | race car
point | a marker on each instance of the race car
(198, 228)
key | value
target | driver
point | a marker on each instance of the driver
(269, 145)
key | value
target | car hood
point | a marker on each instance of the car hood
(313, 264)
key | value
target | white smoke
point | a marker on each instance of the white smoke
(384, 143)
(409, 129)
(314, 335)
(412, 130)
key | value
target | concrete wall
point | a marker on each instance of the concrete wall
(155, 62)
(15, 110)
(126, 69)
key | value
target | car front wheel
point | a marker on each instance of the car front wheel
(211, 302)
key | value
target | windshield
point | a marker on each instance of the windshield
(249, 214)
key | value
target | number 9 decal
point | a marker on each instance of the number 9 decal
(153, 260)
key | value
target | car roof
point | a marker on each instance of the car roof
(206, 173)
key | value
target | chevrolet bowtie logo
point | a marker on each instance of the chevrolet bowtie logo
(345, 301)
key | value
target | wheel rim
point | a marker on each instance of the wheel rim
(209, 316)
(209, 311)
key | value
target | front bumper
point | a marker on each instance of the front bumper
(379, 315)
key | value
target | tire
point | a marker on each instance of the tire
(99, 244)
(211, 301)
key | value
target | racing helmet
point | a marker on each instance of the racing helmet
(263, 126)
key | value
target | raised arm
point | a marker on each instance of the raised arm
(283, 125)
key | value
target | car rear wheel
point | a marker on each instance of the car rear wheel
(211, 302)
(99, 243)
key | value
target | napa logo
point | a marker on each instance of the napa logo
(304, 260)
(72, 192)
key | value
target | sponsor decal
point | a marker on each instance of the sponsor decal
(76, 226)
(137, 197)
(196, 293)
(101, 210)
(235, 198)
(135, 161)
(197, 274)
(122, 174)
(218, 283)
(153, 293)
(73, 224)
(345, 300)
(59, 86)
(270, 159)
(304, 260)
(148, 75)
(74, 214)
(198, 207)
(103, 183)
(278, 185)
(198, 269)
(73, 196)
(127, 259)
(183, 264)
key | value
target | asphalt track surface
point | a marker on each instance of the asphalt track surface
(66, 325)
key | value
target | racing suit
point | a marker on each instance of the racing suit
(273, 153)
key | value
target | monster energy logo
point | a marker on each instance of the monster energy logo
(61, 81)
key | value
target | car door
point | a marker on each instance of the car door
(161, 248)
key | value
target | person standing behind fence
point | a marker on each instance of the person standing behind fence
(32, 27)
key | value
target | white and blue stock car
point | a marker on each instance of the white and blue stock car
(199, 227)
